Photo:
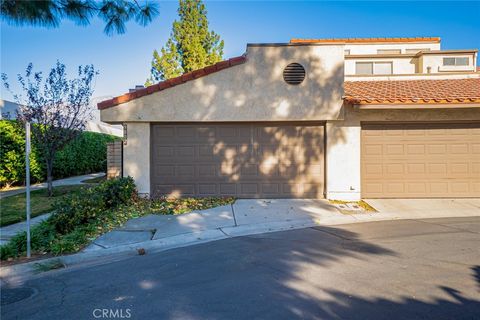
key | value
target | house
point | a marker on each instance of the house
(8, 110)
(329, 118)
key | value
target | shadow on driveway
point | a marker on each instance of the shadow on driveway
(313, 273)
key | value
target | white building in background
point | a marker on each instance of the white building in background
(8, 110)
(95, 125)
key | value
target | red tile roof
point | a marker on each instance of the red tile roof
(367, 40)
(413, 91)
(171, 82)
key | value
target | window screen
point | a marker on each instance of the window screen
(383, 68)
(389, 51)
(364, 68)
(463, 61)
(416, 50)
(347, 52)
(448, 61)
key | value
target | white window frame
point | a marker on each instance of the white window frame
(415, 50)
(373, 68)
(389, 51)
(455, 62)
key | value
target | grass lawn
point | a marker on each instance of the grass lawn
(12, 209)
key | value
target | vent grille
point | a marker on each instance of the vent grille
(294, 73)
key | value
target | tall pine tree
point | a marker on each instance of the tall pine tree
(191, 45)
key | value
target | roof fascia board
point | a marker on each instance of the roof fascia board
(416, 106)
(421, 53)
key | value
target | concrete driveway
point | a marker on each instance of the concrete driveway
(406, 269)
(251, 216)
(428, 207)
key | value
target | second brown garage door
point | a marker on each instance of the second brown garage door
(242, 160)
(421, 160)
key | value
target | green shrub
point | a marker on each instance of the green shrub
(42, 235)
(73, 241)
(118, 191)
(12, 156)
(80, 208)
(86, 154)
(78, 218)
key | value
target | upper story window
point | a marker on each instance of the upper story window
(389, 51)
(370, 68)
(347, 52)
(455, 61)
(412, 51)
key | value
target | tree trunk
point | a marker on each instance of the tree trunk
(49, 177)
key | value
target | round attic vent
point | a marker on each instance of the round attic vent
(294, 73)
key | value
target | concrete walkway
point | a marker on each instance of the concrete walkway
(259, 216)
(7, 232)
(61, 182)
(244, 216)
(156, 233)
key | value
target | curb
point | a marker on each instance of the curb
(21, 272)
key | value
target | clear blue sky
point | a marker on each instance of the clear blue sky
(124, 60)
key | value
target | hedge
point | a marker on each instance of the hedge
(78, 218)
(86, 154)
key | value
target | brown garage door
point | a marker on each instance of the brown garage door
(242, 160)
(420, 160)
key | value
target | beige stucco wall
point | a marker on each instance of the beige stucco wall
(343, 176)
(435, 62)
(136, 155)
(255, 91)
(344, 142)
(252, 91)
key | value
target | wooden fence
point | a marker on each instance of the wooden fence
(114, 159)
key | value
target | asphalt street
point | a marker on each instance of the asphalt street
(406, 269)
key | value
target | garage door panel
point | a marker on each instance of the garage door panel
(242, 160)
(476, 187)
(476, 148)
(420, 160)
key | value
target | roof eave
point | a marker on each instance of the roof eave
(219, 66)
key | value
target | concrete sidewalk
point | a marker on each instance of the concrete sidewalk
(259, 216)
(7, 232)
(245, 217)
(61, 182)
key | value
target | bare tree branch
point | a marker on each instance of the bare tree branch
(57, 107)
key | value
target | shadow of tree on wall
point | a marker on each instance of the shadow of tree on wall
(251, 93)
(249, 160)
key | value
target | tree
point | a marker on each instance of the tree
(191, 45)
(49, 13)
(57, 107)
